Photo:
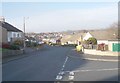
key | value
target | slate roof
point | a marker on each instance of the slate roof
(9, 27)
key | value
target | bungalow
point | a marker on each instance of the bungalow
(103, 36)
(72, 39)
(12, 32)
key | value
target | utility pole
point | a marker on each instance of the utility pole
(24, 26)
(24, 31)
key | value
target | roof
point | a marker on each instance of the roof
(103, 34)
(10, 27)
(73, 37)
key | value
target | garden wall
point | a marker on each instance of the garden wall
(9, 53)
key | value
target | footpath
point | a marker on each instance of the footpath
(101, 53)
(95, 55)
(25, 54)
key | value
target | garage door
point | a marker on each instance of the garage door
(116, 47)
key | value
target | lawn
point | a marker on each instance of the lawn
(2, 49)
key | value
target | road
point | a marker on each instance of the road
(46, 64)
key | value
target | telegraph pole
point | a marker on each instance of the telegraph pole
(24, 31)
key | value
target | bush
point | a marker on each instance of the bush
(92, 40)
(14, 47)
(18, 42)
(34, 44)
(5, 45)
(31, 44)
(11, 47)
(28, 43)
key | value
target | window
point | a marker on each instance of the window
(14, 35)
(18, 35)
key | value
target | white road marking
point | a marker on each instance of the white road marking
(94, 70)
(59, 76)
(71, 75)
(101, 59)
(64, 63)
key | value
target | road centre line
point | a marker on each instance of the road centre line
(59, 76)
(64, 63)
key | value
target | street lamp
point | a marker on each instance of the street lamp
(24, 30)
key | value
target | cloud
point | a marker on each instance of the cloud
(70, 19)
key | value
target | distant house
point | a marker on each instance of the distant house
(12, 32)
(72, 39)
(30, 39)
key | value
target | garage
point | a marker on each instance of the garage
(114, 45)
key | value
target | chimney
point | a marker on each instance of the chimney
(2, 19)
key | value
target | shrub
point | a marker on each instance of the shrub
(11, 47)
(92, 40)
(18, 42)
(14, 47)
(28, 43)
(34, 44)
(5, 45)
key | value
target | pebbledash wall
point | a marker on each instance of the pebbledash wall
(3, 36)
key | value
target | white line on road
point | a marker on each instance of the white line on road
(110, 69)
(64, 64)
(101, 59)
(59, 77)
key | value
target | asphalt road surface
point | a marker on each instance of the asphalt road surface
(50, 61)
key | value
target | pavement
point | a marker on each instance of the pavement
(101, 53)
(27, 52)
(95, 55)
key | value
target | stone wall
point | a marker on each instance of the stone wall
(8, 53)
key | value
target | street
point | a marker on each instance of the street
(46, 65)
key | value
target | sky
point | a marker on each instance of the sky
(60, 16)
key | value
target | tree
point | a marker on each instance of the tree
(92, 40)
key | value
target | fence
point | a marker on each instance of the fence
(97, 47)
(90, 46)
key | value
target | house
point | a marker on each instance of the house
(12, 32)
(3, 33)
(72, 38)
(107, 37)
(102, 36)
